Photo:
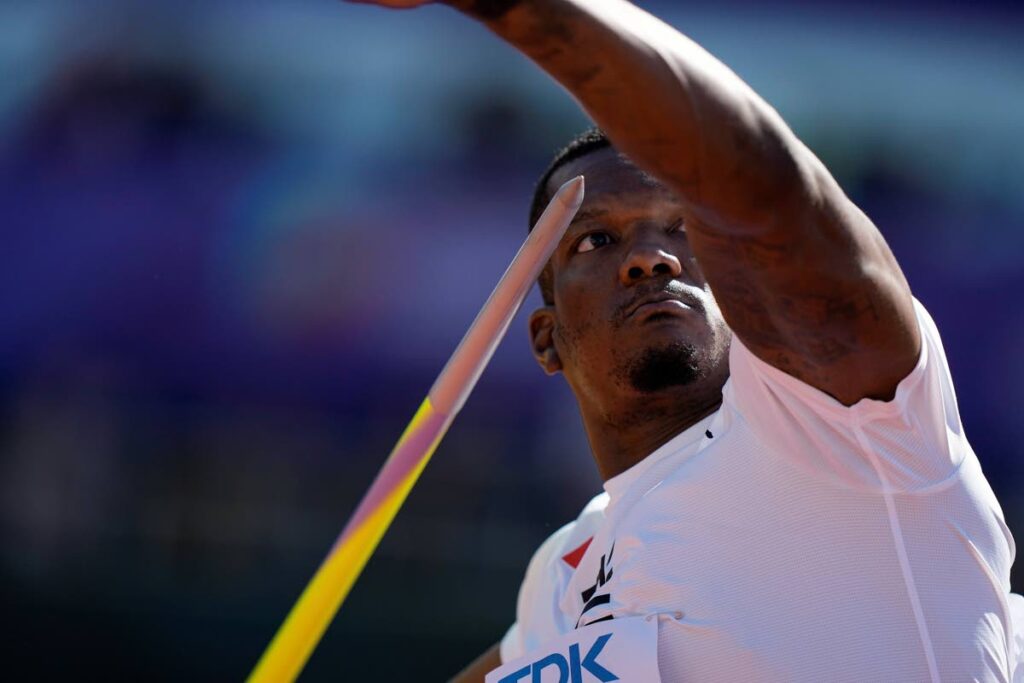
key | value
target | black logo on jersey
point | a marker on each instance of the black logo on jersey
(590, 597)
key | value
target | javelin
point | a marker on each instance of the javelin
(305, 625)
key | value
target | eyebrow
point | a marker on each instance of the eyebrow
(589, 214)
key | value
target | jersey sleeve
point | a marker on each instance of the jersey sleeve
(515, 644)
(1016, 603)
(910, 443)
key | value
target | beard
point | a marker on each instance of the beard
(663, 367)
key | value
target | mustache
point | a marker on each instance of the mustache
(666, 287)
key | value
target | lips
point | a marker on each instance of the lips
(669, 306)
(662, 302)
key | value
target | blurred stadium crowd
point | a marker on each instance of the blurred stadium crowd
(241, 238)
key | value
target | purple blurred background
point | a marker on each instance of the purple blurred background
(241, 238)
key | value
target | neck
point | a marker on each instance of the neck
(623, 438)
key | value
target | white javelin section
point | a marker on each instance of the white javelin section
(466, 364)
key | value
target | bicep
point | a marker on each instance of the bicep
(812, 288)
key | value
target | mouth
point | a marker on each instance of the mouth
(659, 303)
(666, 307)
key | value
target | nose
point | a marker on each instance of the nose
(648, 259)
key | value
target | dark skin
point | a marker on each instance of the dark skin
(799, 273)
(627, 246)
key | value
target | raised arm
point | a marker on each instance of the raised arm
(801, 274)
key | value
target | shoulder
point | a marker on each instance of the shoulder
(569, 536)
(546, 574)
(912, 441)
(749, 373)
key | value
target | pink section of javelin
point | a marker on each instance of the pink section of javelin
(464, 368)
(460, 374)
(404, 459)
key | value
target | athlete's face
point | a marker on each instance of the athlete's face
(632, 311)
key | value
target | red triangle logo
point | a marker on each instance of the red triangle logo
(573, 559)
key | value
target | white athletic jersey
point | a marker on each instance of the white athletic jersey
(789, 538)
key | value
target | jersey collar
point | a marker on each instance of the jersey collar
(684, 443)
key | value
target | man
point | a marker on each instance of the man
(789, 492)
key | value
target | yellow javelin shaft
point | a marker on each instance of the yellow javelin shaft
(316, 607)
(298, 636)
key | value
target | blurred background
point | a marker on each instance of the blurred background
(239, 240)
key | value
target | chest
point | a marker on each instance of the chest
(739, 544)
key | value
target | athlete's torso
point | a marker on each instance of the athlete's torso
(788, 539)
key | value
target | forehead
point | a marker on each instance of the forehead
(613, 182)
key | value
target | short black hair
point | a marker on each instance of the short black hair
(588, 141)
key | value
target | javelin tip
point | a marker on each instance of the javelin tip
(571, 193)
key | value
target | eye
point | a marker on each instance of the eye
(592, 241)
(677, 225)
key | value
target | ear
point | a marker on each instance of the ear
(542, 340)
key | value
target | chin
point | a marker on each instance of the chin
(667, 331)
(663, 366)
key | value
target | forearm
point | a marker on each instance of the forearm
(668, 104)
